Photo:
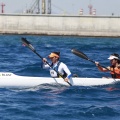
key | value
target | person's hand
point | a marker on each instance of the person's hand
(66, 79)
(44, 60)
(97, 63)
(118, 66)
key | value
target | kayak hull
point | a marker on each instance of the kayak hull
(11, 80)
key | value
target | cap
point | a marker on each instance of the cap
(54, 54)
(113, 57)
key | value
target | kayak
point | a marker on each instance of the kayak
(8, 79)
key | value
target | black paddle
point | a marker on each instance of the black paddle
(82, 55)
(28, 44)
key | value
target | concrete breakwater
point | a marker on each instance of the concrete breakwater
(98, 26)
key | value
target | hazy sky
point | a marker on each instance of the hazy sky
(103, 7)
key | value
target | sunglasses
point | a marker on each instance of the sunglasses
(51, 57)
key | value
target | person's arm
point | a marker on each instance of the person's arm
(101, 68)
(118, 66)
(65, 68)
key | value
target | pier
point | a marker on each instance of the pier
(35, 24)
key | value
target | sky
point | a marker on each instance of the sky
(71, 7)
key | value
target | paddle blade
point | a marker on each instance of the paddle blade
(27, 43)
(79, 54)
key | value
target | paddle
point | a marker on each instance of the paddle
(82, 55)
(28, 44)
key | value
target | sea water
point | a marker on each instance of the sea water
(58, 102)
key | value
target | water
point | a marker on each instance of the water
(51, 102)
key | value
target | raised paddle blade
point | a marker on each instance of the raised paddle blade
(79, 54)
(28, 44)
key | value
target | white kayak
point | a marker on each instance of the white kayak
(11, 80)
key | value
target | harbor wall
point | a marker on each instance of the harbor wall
(98, 26)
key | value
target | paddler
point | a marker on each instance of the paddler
(114, 68)
(60, 67)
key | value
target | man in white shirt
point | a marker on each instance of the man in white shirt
(58, 66)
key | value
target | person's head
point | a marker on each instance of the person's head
(54, 56)
(114, 58)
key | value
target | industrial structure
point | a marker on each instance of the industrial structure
(44, 7)
(2, 7)
(39, 7)
(91, 10)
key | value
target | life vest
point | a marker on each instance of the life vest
(55, 74)
(115, 72)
